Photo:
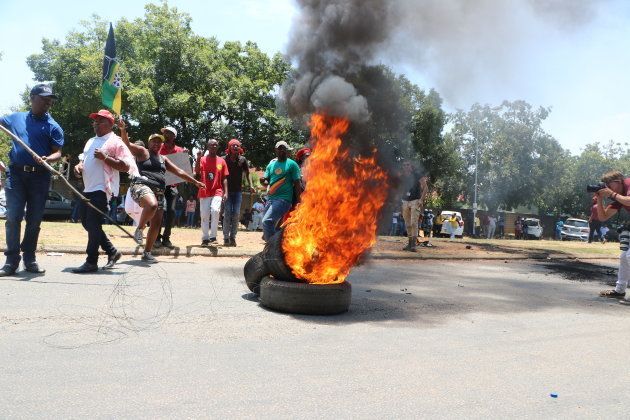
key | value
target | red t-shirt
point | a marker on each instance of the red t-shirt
(213, 170)
(626, 191)
(165, 150)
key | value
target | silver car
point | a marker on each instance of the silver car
(57, 205)
(575, 229)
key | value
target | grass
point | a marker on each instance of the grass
(56, 234)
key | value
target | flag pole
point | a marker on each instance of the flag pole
(55, 172)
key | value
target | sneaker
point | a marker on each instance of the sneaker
(625, 302)
(148, 258)
(167, 243)
(111, 260)
(232, 241)
(137, 236)
(213, 241)
(158, 243)
(612, 294)
(205, 242)
(227, 242)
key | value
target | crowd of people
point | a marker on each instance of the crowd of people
(151, 200)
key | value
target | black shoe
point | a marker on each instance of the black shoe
(7, 270)
(612, 294)
(232, 242)
(85, 268)
(205, 242)
(227, 242)
(157, 244)
(167, 243)
(212, 241)
(111, 260)
(33, 267)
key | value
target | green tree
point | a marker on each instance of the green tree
(517, 161)
(171, 76)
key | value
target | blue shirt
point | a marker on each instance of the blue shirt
(40, 134)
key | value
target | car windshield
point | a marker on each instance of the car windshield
(531, 222)
(577, 223)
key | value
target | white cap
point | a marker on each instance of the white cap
(171, 129)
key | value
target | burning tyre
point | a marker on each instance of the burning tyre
(304, 266)
(254, 271)
(304, 298)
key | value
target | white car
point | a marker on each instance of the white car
(575, 229)
(445, 215)
(532, 228)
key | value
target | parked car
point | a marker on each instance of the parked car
(532, 228)
(57, 205)
(575, 229)
(445, 216)
(3, 204)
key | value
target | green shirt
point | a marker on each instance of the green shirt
(281, 176)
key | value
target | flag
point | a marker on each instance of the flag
(111, 87)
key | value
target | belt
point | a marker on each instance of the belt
(27, 168)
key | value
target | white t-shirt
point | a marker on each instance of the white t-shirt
(93, 169)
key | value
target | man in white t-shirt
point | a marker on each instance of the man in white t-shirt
(257, 214)
(103, 157)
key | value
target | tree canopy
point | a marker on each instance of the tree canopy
(171, 76)
(207, 89)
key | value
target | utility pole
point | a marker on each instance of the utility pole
(475, 197)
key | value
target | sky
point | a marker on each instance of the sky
(572, 56)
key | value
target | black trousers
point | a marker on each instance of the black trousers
(92, 222)
(594, 226)
(170, 194)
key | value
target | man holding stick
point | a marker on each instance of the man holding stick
(103, 157)
(27, 180)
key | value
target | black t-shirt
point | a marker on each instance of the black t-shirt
(411, 185)
(236, 169)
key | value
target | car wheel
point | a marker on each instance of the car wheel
(304, 298)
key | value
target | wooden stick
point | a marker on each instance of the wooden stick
(55, 172)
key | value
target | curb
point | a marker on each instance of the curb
(219, 251)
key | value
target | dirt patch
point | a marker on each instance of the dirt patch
(583, 271)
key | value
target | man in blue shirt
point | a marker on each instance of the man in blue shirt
(283, 177)
(27, 180)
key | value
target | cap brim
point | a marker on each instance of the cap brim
(49, 95)
(95, 115)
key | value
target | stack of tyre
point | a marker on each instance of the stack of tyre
(267, 275)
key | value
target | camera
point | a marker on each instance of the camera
(592, 188)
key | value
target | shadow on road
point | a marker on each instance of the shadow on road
(451, 289)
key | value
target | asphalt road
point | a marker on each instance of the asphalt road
(184, 338)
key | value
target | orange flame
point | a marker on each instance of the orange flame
(335, 221)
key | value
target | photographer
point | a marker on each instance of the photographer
(617, 188)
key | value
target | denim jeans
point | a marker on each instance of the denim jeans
(275, 210)
(231, 213)
(22, 189)
(92, 222)
(190, 219)
(170, 194)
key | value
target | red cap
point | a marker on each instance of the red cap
(102, 113)
(302, 153)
